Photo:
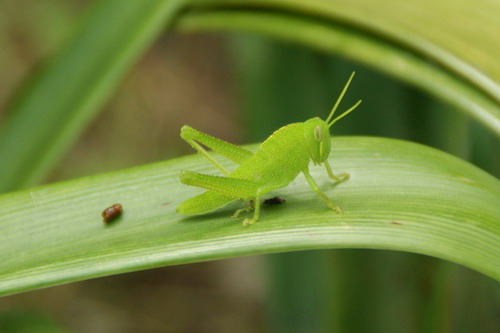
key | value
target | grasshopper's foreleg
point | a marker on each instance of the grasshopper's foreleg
(316, 189)
(226, 149)
(338, 179)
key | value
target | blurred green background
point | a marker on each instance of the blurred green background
(227, 85)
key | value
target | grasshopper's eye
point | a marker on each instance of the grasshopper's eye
(318, 136)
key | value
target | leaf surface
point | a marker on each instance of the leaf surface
(426, 44)
(401, 196)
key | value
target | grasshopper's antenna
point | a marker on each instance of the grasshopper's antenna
(344, 114)
(340, 98)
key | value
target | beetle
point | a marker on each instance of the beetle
(112, 212)
(277, 162)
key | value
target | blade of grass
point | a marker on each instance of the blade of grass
(401, 196)
(467, 80)
(58, 104)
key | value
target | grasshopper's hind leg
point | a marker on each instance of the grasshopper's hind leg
(226, 149)
(230, 187)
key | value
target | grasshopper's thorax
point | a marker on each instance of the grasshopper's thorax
(317, 138)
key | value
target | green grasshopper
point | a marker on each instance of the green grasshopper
(277, 162)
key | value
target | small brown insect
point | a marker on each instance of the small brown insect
(112, 212)
(274, 201)
(395, 222)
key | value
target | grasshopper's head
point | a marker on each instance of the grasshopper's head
(317, 131)
(317, 137)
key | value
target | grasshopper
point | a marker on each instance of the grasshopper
(276, 163)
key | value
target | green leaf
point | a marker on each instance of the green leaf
(426, 44)
(58, 104)
(401, 196)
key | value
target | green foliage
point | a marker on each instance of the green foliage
(434, 50)
(72, 88)
(401, 196)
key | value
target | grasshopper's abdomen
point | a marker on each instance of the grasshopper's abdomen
(279, 159)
